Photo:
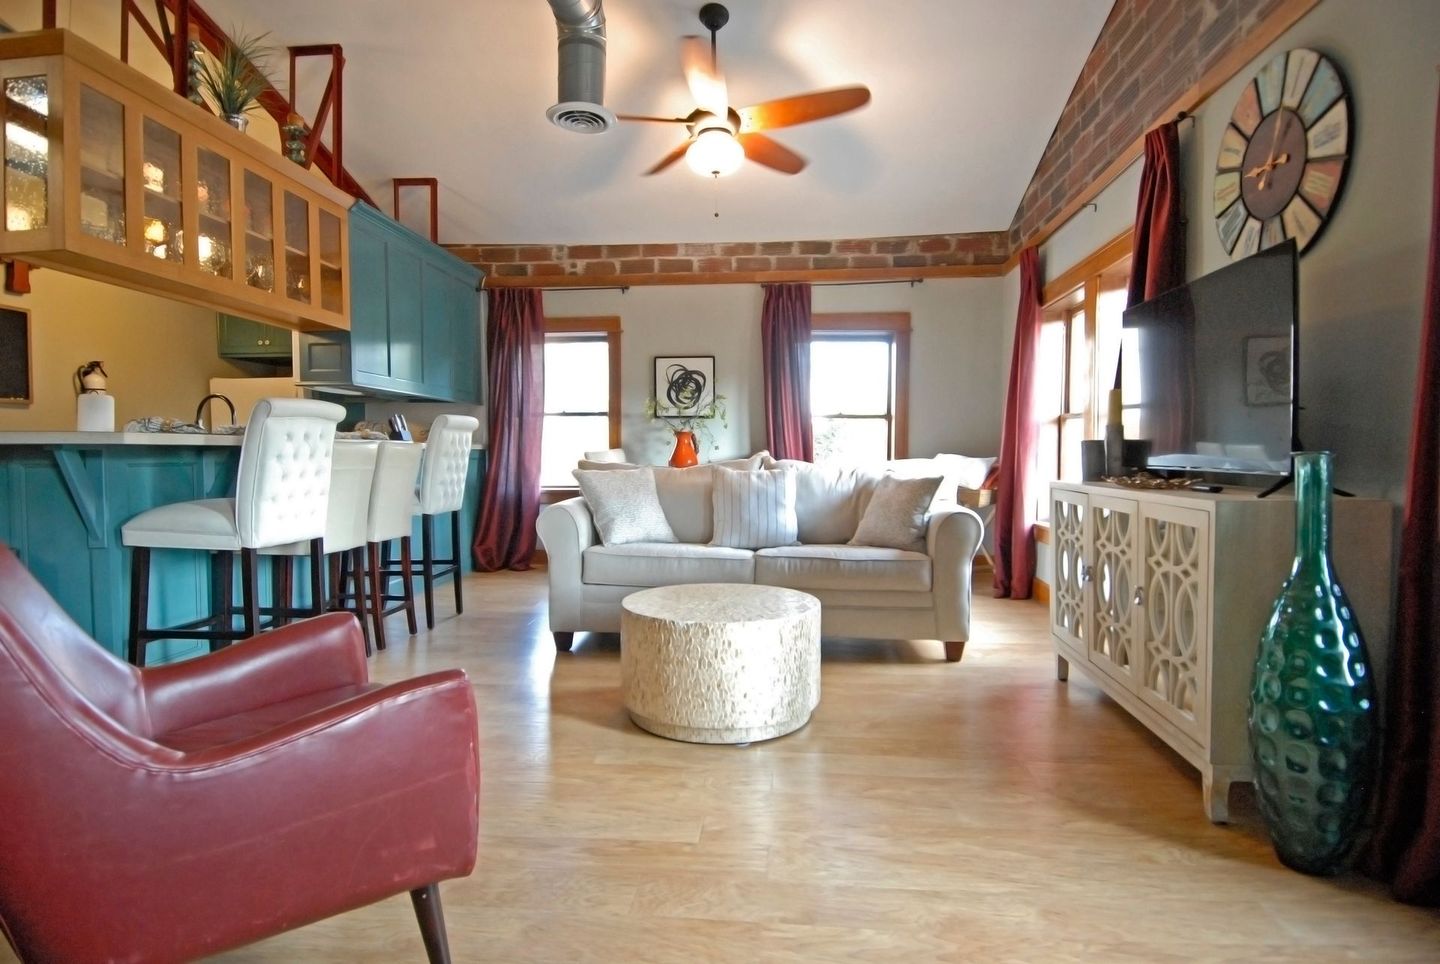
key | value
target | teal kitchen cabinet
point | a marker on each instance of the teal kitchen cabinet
(251, 340)
(415, 320)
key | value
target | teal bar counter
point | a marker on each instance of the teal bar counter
(65, 495)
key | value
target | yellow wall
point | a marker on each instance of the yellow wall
(160, 353)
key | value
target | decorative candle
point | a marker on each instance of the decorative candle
(1114, 417)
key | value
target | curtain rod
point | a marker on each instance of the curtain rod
(620, 288)
(912, 282)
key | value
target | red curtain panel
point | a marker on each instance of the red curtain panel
(785, 354)
(515, 347)
(1406, 845)
(1014, 500)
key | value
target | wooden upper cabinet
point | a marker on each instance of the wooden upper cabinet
(112, 176)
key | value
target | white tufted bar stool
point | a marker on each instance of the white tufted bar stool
(352, 472)
(443, 474)
(392, 502)
(282, 489)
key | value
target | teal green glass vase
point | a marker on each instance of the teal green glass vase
(1312, 703)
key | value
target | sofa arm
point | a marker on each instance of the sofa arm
(952, 539)
(567, 530)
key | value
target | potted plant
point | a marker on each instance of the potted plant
(233, 82)
(687, 425)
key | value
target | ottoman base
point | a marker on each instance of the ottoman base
(734, 734)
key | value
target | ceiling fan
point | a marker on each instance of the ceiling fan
(720, 136)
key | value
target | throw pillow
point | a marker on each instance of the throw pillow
(897, 514)
(755, 509)
(624, 505)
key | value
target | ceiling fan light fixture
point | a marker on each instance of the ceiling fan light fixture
(715, 152)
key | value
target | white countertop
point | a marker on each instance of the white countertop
(119, 438)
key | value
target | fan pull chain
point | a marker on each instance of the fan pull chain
(715, 177)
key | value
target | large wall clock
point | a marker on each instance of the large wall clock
(1283, 155)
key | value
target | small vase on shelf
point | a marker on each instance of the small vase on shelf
(686, 454)
(1312, 702)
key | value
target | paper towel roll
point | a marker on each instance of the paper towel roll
(94, 412)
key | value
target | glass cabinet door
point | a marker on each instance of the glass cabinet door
(27, 153)
(259, 233)
(297, 248)
(332, 291)
(102, 166)
(212, 197)
(160, 176)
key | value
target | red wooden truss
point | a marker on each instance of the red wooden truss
(434, 187)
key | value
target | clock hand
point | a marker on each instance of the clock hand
(1270, 164)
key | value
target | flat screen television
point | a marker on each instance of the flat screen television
(1218, 367)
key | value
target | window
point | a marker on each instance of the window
(859, 386)
(582, 394)
(1078, 353)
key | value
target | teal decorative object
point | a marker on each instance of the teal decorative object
(1312, 703)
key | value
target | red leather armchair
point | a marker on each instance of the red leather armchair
(170, 813)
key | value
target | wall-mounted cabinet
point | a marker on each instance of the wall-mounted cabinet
(247, 340)
(112, 176)
(415, 320)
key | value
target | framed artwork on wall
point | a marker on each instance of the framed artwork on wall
(684, 384)
(15, 376)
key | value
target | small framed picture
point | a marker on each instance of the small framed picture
(684, 384)
(1267, 370)
(15, 376)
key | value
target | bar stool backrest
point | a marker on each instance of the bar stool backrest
(392, 494)
(446, 464)
(352, 473)
(283, 483)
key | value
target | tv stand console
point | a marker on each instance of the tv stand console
(1160, 596)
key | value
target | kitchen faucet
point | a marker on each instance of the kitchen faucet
(200, 410)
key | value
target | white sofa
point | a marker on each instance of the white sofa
(864, 591)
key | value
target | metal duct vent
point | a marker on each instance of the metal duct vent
(581, 28)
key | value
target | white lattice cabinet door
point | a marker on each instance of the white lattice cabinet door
(1069, 596)
(1115, 542)
(1175, 586)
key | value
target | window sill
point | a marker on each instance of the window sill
(1042, 532)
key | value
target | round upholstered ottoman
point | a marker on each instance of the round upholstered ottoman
(713, 663)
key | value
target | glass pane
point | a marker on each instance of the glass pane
(1047, 466)
(1109, 322)
(27, 153)
(297, 248)
(852, 440)
(160, 173)
(577, 377)
(213, 196)
(331, 280)
(1072, 430)
(259, 233)
(102, 166)
(850, 376)
(565, 439)
(1049, 370)
(1079, 358)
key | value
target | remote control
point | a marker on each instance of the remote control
(1207, 488)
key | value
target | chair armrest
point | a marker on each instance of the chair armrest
(951, 541)
(567, 530)
(303, 657)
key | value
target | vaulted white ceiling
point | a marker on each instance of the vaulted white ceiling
(965, 96)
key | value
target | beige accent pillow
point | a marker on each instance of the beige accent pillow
(754, 510)
(624, 505)
(897, 514)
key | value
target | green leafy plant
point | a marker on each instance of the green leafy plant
(698, 420)
(233, 81)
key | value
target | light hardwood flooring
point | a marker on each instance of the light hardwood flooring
(929, 812)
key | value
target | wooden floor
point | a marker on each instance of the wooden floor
(929, 812)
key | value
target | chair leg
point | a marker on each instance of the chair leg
(282, 589)
(335, 598)
(250, 591)
(224, 565)
(427, 567)
(317, 577)
(431, 917)
(563, 642)
(456, 556)
(954, 650)
(377, 600)
(354, 568)
(139, 602)
(407, 587)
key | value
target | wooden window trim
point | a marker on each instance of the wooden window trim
(895, 324)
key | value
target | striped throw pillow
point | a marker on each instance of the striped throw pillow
(755, 509)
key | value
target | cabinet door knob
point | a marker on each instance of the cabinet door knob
(1087, 573)
(1140, 596)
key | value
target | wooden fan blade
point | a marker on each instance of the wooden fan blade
(653, 120)
(802, 108)
(669, 159)
(773, 154)
(707, 85)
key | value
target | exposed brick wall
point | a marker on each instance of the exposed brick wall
(1148, 53)
(609, 260)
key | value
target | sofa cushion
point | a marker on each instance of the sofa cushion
(754, 510)
(686, 495)
(625, 505)
(829, 499)
(665, 564)
(955, 470)
(896, 515)
(842, 567)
